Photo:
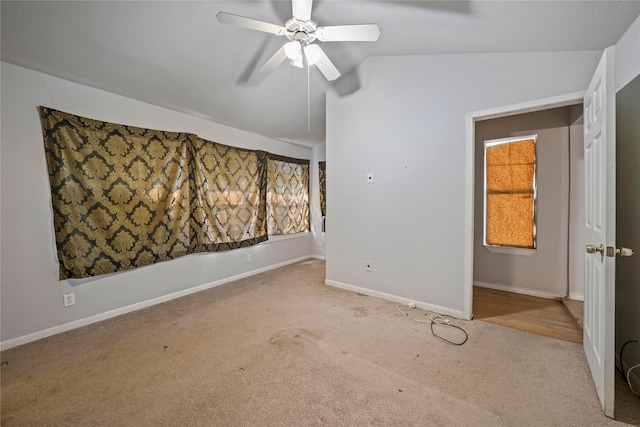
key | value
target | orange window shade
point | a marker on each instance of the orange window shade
(510, 182)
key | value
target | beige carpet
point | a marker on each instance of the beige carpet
(284, 349)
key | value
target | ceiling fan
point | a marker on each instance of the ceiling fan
(302, 32)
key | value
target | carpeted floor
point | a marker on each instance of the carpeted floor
(282, 348)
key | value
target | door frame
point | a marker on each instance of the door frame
(471, 118)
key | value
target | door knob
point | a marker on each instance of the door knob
(592, 249)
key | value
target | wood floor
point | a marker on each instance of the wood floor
(540, 316)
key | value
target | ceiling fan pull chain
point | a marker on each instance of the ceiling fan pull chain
(308, 95)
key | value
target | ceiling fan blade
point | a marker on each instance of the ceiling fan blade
(252, 24)
(302, 9)
(316, 56)
(353, 33)
(275, 60)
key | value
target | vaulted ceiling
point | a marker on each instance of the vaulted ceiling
(177, 55)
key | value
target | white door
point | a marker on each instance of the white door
(600, 228)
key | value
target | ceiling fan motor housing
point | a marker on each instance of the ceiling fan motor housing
(303, 32)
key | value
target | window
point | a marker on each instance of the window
(322, 172)
(287, 195)
(227, 188)
(322, 175)
(124, 197)
(510, 193)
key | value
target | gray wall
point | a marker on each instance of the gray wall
(628, 222)
(543, 273)
(31, 294)
(404, 119)
(628, 203)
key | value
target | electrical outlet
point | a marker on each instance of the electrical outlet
(367, 266)
(249, 258)
(69, 299)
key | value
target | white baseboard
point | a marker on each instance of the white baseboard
(576, 296)
(320, 257)
(523, 291)
(14, 342)
(402, 300)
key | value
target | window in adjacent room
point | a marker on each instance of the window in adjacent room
(510, 193)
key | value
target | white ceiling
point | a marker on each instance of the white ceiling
(177, 55)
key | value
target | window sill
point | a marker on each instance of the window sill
(286, 237)
(510, 251)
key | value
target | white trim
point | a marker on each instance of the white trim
(320, 257)
(531, 106)
(576, 296)
(499, 141)
(469, 184)
(14, 342)
(467, 265)
(516, 290)
(402, 300)
(508, 250)
(273, 239)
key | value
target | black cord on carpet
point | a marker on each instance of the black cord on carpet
(621, 368)
(466, 335)
(436, 320)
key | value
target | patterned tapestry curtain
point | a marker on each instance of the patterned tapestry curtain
(124, 197)
(227, 207)
(120, 194)
(322, 170)
(287, 195)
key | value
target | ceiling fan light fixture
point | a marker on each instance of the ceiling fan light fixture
(293, 50)
(298, 62)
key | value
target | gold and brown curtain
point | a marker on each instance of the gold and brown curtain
(322, 171)
(120, 194)
(287, 195)
(124, 197)
(227, 209)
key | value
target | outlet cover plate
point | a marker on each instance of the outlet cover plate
(69, 299)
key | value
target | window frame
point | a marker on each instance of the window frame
(503, 249)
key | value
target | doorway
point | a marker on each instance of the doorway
(470, 162)
(538, 278)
